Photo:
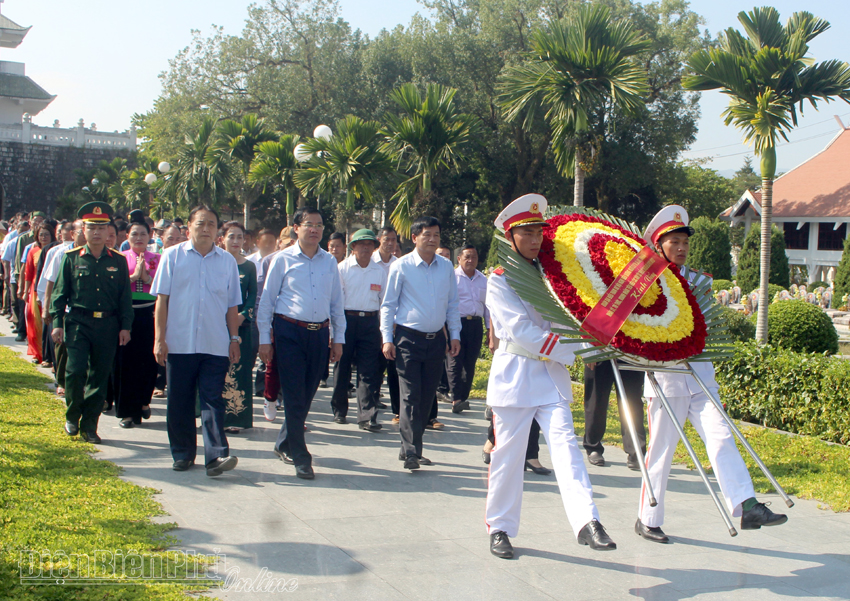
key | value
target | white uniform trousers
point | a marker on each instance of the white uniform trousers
(729, 469)
(507, 463)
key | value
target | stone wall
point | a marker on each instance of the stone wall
(32, 176)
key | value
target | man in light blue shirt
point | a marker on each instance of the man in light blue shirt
(198, 295)
(421, 299)
(301, 301)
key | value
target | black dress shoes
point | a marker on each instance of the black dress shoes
(381, 405)
(91, 437)
(421, 460)
(486, 457)
(181, 465)
(654, 534)
(340, 420)
(500, 545)
(460, 406)
(284, 456)
(632, 463)
(411, 462)
(146, 413)
(220, 465)
(369, 426)
(305, 472)
(543, 471)
(760, 516)
(596, 458)
(71, 428)
(127, 422)
(594, 535)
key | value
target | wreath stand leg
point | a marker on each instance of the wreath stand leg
(651, 376)
(743, 440)
(621, 391)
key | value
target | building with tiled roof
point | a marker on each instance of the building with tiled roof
(811, 203)
(19, 95)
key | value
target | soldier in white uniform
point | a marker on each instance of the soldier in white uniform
(529, 380)
(669, 232)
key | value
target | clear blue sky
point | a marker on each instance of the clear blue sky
(102, 58)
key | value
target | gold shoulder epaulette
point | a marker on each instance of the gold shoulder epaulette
(118, 252)
(70, 250)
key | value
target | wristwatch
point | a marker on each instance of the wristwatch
(237, 339)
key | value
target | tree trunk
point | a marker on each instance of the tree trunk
(764, 258)
(247, 206)
(578, 191)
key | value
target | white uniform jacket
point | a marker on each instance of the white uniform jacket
(673, 385)
(517, 381)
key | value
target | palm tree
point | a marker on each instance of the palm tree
(350, 160)
(238, 141)
(201, 175)
(275, 164)
(583, 64)
(766, 74)
(427, 136)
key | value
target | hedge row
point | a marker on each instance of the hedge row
(795, 392)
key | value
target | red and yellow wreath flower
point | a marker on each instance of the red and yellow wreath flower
(581, 255)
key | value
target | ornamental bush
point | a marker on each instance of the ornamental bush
(817, 284)
(842, 275)
(741, 327)
(798, 326)
(748, 260)
(710, 249)
(718, 285)
(778, 388)
(772, 289)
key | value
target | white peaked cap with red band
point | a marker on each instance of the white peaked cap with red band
(525, 210)
(669, 219)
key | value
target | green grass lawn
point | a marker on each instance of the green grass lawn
(805, 466)
(54, 496)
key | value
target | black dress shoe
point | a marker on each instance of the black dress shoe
(91, 437)
(632, 463)
(424, 461)
(443, 397)
(340, 420)
(305, 472)
(71, 428)
(220, 465)
(20, 338)
(594, 535)
(146, 413)
(284, 456)
(381, 405)
(537, 470)
(500, 545)
(760, 516)
(127, 422)
(369, 426)
(486, 457)
(460, 406)
(654, 534)
(411, 463)
(596, 458)
(181, 465)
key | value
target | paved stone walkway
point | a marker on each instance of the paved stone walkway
(367, 529)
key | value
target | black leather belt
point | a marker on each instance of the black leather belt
(310, 325)
(95, 314)
(425, 335)
(361, 313)
(471, 317)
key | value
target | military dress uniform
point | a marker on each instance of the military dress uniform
(529, 381)
(96, 290)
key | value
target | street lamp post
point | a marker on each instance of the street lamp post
(150, 179)
(302, 155)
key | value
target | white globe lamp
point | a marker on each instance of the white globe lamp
(150, 178)
(323, 131)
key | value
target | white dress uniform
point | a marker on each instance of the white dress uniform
(529, 380)
(688, 401)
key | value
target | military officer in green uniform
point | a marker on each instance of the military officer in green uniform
(94, 284)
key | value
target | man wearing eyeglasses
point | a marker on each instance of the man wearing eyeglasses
(302, 297)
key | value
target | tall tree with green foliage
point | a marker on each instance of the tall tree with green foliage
(842, 276)
(581, 65)
(711, 250)
(749, 262)
(766, 74)
(275, 165)
(201, 173)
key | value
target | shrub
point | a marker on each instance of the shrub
(798, 326)
(711, 250)
(718, 285)
(772, 289)
(741, 327)
(778, 388)
(748, 260)
(493, 254)
(817, 284)
(842, 274)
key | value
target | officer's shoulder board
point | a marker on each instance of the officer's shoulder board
(117, 252)
(71, 250)
(499, 271)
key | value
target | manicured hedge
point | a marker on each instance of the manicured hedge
(741, 327)
(801, 327)
(778, 388)
(717, 285)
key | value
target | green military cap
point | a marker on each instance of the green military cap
(37, 214)
(95, 212)
(364, 235)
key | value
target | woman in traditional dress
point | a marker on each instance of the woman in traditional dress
(238, 386)
(135, 366)
(45, 235)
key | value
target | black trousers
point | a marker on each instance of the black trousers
(188, 375)
(302, 357)
(532, 451)
(461, 369)
(419, 362)
(21, 312)
(597, 389)
(389, 368)
(362, 346)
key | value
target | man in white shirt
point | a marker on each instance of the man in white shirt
(383, 256)
(421, 298)
(363, 285)
(197, 338)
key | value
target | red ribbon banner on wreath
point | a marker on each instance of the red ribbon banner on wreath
(623, 295)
